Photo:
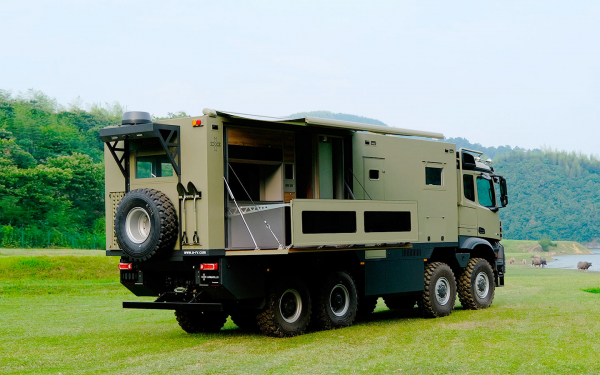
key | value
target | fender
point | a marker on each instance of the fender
(470, 243)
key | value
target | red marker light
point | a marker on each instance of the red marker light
(125, 266)
(209, 266)
(197, 123)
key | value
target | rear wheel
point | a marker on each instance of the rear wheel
(287, 311)
(200, 322)
(476, 286)
(400, 302)
(337, 301)
(439, 294)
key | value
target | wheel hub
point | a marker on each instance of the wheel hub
(442, 293)
(482, 285)
(290, 305)
(339, 300)
(138, 225)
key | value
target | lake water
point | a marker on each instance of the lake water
(569, 262)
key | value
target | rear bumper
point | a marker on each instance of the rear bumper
(184, 306)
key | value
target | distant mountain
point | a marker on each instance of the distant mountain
(338, 116)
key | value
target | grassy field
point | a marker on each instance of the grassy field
(69, 322)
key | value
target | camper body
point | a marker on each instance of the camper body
(280, 222)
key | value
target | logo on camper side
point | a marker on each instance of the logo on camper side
(215, 143)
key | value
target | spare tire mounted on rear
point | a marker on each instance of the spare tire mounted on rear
(145, 224)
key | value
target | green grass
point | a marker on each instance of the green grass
(51, 252)
(541, 322)
(592, 290)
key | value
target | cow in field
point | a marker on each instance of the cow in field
(583, 266)
(512, 260)
(524, 262)
(536, 262)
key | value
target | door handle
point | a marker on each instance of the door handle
(481, 230)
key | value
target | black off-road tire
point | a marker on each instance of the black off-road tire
(400, 302)
(245, 320)
(429, 303)
(469, 282)
(200, 322)
(163, 230)
(271, 320)
(337, 301)
(366, 306)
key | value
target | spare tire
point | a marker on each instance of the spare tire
(145, 224)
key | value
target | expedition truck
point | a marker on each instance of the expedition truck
(282, 223)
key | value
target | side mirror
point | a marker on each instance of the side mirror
(503, 192)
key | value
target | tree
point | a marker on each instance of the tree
(545, 243)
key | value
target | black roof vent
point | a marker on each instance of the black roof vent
(136, 117)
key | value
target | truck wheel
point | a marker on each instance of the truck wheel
(245, 320)
(439, 295)
(476, 286)
(337, 301)
(366, 306)
(287, 310)
(400, 302)
(200, 322)
(145, 224)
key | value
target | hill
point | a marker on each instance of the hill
(52, 176)
(51, 168)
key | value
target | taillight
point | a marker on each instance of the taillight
(209, 266)
(125, 266)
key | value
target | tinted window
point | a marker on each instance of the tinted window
(469, 187)
(485, 192)
(433, 176)
(314, 222)
(387, 221)
(153, 166)
(373, 174)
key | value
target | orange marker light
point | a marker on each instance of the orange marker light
(197, 123)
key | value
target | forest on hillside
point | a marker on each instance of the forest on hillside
(51, 170)
(52, 176)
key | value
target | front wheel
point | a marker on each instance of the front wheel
(439, 294)
(287, 311)
(476, 287)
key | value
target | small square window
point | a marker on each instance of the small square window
(374, 174)
(289, 171)
(433, 176)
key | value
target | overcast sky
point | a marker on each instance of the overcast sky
(522, 73)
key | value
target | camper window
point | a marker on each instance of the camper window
(153, 166)
(433, 176)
